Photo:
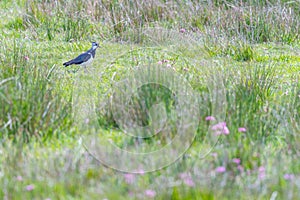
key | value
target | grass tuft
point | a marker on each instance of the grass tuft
(240, 57)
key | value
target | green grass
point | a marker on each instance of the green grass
(251, 49)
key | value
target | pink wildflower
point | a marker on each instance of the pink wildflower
(150, 193)
(261, 169)
(182, 30)
(214, 155)
(242, 129)
(261, 172)
(226, 131)
(220, 128)
(29, 187)
(19, 178)
(189, 182)
(221, 169)
(288, 176)
(236, 160)
(187, 179)
(129, 178)
(210, 118)
(26, 57)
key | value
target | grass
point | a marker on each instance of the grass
(240, 58)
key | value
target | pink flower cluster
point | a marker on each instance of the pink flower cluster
(242, 129)
(29, 187)
(220, 128)
(236, 161)
(150, 193)
(261, 172)
(182, 30)
(220, 169)
(129, 178)
(210, 118)
(288, 176)
(187, 179)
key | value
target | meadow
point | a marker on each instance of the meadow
(241, 59)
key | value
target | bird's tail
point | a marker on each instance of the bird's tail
(68, 63)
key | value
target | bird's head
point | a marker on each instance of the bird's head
(95, 45)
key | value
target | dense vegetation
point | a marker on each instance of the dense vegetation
(251, 49)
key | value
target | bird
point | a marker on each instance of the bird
(85, 58)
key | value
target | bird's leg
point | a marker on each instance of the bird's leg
(85, 69)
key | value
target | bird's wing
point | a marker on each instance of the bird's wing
(81, 58)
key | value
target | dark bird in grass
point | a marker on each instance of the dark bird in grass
(85, 58)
